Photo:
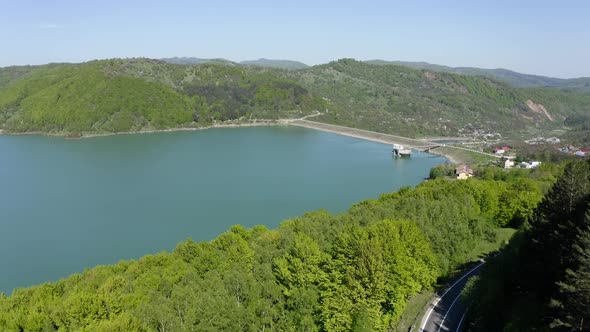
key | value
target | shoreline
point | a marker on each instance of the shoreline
(256, 123)
(325, 127)
(226, 124)
(259, 123)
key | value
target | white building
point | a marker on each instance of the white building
(534, 163)
(530, 164)
(507, 163)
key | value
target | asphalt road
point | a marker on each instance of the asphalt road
(447, 311)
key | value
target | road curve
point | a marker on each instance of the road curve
(447, 311)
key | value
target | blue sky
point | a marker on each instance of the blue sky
(538, 37)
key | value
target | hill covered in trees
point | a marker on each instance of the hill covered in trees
(139, 94)
(320, 272)
(510, 77)
(142, 94)
(398, 99)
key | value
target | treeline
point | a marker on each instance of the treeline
(542, 280)
(321, 272)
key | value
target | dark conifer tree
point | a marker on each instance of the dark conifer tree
(573, 300)
(555, 227)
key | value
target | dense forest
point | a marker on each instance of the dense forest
(120, 95)
(541, 281)
(321, 272)
(131, 95)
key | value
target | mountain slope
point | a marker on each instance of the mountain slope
(510, 77)
(410, 102)
(281, 64)
(142, 94)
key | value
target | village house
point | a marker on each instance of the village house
(463, 172)
(570, 149)
(502, 150)
(507, 162)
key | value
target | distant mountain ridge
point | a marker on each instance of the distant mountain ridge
(282, 64)
(262, 62)
(510, 77)
(196, 61)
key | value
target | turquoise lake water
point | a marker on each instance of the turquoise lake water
(66, 205)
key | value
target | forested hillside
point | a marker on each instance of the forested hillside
(139, 94)
(510, 77)
(121, 95)
(542, 280)
(410, 102)
(321, 272)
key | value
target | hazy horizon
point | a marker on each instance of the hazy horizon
(532, 37)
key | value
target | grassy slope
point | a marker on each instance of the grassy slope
(464, 156)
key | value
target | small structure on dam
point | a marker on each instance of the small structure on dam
(400, 151)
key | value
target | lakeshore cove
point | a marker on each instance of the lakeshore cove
(67, 205)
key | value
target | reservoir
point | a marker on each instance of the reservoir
(67, 205)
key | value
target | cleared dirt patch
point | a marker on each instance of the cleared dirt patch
(539, 108)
